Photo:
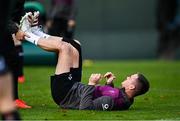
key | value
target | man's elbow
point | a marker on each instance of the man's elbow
(86, 108)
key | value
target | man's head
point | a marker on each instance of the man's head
(136, 84)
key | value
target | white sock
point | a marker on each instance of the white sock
(39, 33)
(32, 38)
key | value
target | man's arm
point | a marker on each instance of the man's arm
(101, 103)
(109, 79)
(86, 102)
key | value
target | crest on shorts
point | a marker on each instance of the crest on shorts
(70, 77)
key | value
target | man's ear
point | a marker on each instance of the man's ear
(131, 87)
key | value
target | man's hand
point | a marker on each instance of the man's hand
(109, 77)
(20, 35)
(94, 79)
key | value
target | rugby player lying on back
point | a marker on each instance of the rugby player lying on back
(66, 87)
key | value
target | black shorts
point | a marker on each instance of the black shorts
(62, 83)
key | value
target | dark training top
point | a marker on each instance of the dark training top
(121, 101)
(89, 97)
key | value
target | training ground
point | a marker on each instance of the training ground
(162, 102)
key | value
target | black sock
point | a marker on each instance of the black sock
(19, 59)
(15, 86)
(14, 115)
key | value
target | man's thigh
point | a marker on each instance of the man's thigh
(60, 86)
(65, 60)
(76, 52)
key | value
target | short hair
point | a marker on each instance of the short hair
(144, 84)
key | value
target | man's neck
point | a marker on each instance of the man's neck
(129, 94)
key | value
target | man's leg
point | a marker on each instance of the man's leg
(61, 82)
(6, 97)
(55, 44)
(64, 50)
(65, 59)
(19, 59)
(7, 106)
(68, 56)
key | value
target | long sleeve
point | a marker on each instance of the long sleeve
(86, 102)
(101, 103)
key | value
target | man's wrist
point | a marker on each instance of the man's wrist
(91, 83)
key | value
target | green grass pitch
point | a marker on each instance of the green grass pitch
(162, 102)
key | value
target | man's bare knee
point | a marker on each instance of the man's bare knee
(66, 48)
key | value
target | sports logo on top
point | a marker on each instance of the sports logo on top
(105, 106)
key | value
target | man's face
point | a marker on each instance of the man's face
(130, 80)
